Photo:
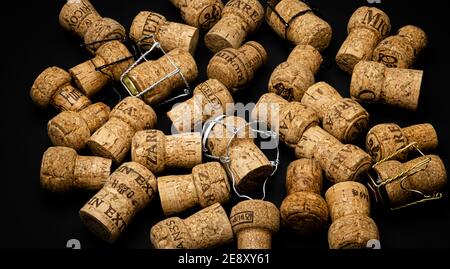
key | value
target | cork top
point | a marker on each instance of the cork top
(255, 214)
(415, 36)
(95, 115)
(424, 134)
(101, 30)
(304, 175)
(77, 16)
(57, 168)
(113, 52)
(135, 113)
(367, 81)
(370, 18)
(47, 84)
(347, 198)
(268, 108)
(202, 14)
(249, 11)
(307, 56)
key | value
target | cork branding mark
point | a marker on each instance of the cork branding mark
(176, 234)
(70, 95)
(376, 21)
(80, 15)
(140, 180)
(152, 150)
(360, 194)
(122, 188)
(242, 218)
(151, 24)
(207, 186)
(235, 62)
(209, 16)
(127, 109)
(285, 92)
(108, 211)
(248, 9)
(388, 60)
(210, 95)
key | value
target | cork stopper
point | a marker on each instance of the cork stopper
(352, 232)
(202, 14)
(63, 170)
(158, 152)
(148, 73)
(208, 228)
(101, 32)
(342, 117)
(347, 198)
(210, 98)
(304, 175)
(304, 27)
(239, 18)
(366, 28)
(254, 222)
(128, 190)
(235, 68)
(77, 16)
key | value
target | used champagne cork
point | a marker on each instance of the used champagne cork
(111, 60)
(127, 191)
(401, 50)
(158, 152)
(292, 78)
(207, 185)
(347, 198)
(210, 99)
(304, 211)
(113, 139)
(208, 228)
(63, 170)
(239, 18)
(202, 14)
(342, 117)
(170, 35)
(303, 26)
(366, 28)
(73, 130)
(148, 73)
(373, 82)
(53, 87)
(352, 232)
(254, 222)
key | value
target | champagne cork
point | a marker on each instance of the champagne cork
(235, 68)
(149, 73)
(254, 222)
(208, 228)
(53, 87)
(170, 35)
(347, 198)
(207, 185)
(248, 165)
(210, 99)
(73, 130)
(202, 14)
(342, 117)
(340, 162)
(111, 60)
(366, 28)
(401, 50)
(113, 139)
(239, 18)
(352, 232)
(304, 211)
(63, 170)
(292, 78)
(373, 82)
(127, 191)
(158, 152)
(303, 26)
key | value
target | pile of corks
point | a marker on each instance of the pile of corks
(311, 118)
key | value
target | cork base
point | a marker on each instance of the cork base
(254, 238)
(253, 179)
(68, 129)
(217, 41)
(96, 226)
(352, 232)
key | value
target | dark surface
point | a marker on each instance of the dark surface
(32, 218)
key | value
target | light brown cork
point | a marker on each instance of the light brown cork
(73, 130)
(202, 14)
(366, 28)
(208, 228)
(401, 50)
(63, 170)
(235, 68)
(347, 198)
(239, 18)
(207, 185)
(292, 78)
(373, 82)
(53, 87)
(159, 152)
(113, 139)
(254, 223)
(170, 35)
(127, 191)
(352, 232)
(342, 117)
(304, 27)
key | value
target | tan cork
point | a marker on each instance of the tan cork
(235, 68)
(352, 232)
(170, 35)
(254, 222)
(73, 130)
(342, 117)
(208, 228)
(113, 139)
(373, 82)
(401, 50)
(202, 14)
(304, 27)
(366, 28)
(63, 170)
(293, 77)
(148, 73)
(239, 18)
(53, 87)
(207, 185)
(347, 198)
(127, 191)
(158, 152)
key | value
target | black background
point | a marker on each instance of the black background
(33, 40)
